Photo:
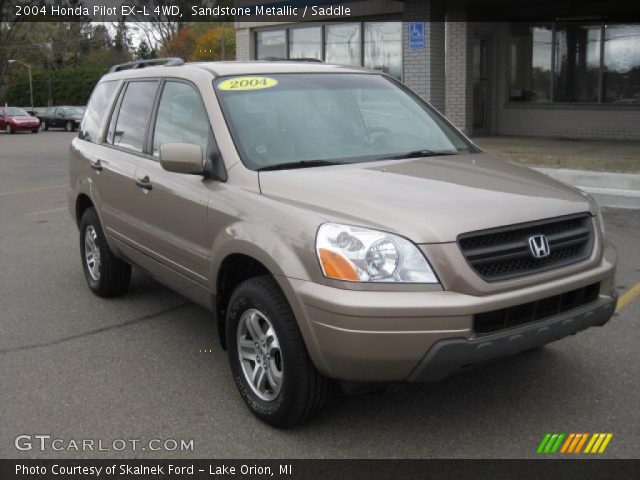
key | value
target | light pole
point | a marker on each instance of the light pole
(30, 78)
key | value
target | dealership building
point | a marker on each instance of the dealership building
(554, 71)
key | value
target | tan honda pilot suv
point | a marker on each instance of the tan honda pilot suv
(338, 227)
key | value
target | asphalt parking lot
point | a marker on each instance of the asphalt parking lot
(75, 366)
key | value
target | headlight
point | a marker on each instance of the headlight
(362, 255)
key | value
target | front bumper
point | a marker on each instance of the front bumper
(26, 126)
(449, 356)
(383, 336)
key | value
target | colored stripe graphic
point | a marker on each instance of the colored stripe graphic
(543, 443)
(581, 443)
(550, 443)
(598, 442)
(573, 443)
(568, 442)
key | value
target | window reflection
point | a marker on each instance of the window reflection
(530, 76)
(131, 124)
(577, 63)
(383, 47)
(343, 44)
(589, 67)
(305, 43)
(621, 76)
(271, 44)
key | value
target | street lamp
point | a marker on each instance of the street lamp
(30, 78)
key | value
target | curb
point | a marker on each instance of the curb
(620, 190)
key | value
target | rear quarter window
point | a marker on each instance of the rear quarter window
(97, 111)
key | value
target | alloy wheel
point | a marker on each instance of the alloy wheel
(92, 252)
(260, 355)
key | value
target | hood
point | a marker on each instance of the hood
(428, 200)
(22, 118)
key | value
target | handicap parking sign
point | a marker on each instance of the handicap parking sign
(416, 35)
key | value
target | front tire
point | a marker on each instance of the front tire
(9, 129)
(35, 130)
(107, 275)
(269, 361)
(68, 127)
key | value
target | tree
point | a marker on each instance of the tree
(217, 43)
(182, 44)
(144, 52)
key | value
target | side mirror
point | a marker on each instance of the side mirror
(182, 158)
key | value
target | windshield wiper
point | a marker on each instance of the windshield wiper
(421, 153)
(300, 164)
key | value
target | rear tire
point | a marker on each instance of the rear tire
(300, 390)
(44, 126)
(35, 130)
(68, 127)
(107, 275)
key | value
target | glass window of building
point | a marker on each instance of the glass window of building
(589, 66)
(577, 64)
(305, 42)
(383, 47)
(621, 75)
(271, 44)
(530, 72)
(343, 44)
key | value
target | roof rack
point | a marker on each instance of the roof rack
(167, 62)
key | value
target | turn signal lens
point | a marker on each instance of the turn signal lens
(337, 266)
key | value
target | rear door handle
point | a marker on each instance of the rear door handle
(144, 183)
(96, 165)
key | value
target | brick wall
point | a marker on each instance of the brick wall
(424, 67)
(243, 44)
(458, 61)
(596, 123)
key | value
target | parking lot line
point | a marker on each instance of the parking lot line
(15, 192)
(628, 296)
(47, 211)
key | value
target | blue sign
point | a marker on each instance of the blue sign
(416, 35)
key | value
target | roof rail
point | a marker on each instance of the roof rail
(301, 59)
(167, 62)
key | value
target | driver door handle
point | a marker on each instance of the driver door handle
(96, 165)
(144, 183)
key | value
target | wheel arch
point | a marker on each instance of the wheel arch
(234, 269)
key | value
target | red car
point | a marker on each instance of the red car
(14, 119)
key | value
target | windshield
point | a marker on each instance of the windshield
(15, 112)
(336, 118)
(73, 110)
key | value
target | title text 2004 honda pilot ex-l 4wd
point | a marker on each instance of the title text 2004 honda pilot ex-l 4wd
(338, 226)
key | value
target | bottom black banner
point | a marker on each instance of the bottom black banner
(318, 469)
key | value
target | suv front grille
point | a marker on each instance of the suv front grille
(489, 322)
(503, 253)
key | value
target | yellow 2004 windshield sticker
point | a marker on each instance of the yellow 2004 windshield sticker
(247, 83)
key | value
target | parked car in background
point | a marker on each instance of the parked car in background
(14, 119)
(61, 117)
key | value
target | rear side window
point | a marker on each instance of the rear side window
(96, 111)
(133, 117)
(181, 118)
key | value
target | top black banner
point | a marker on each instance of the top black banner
(274, 11)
